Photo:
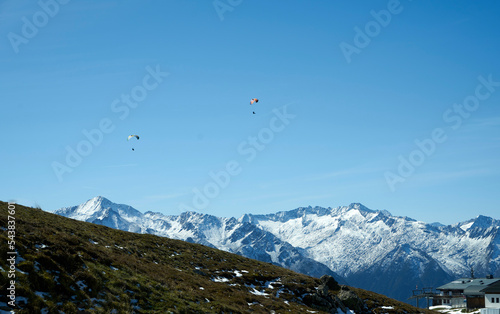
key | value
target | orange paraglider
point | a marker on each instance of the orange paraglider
(252, 101)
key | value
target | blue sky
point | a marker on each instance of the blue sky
(393, 104)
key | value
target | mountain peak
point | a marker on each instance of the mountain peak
(360, 207)
(356, 205)
(98, 201)
(482, 222)
(97, 208)
(100, 198)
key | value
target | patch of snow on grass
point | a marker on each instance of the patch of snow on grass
(257, 292)
(220, 279)
(449, 310)
(238, 273)
(269, 284)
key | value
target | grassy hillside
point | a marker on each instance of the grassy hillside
(71, 266)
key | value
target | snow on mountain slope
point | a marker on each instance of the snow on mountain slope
(383, 253)
(227, 234)
(101, 211)
(333, 236)
(371, 249)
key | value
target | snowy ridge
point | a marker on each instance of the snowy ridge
(228, 234)
(361, 245)
(370, 249)
(354, 231)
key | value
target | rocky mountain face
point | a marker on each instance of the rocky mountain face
(369, 249)
(228, 234)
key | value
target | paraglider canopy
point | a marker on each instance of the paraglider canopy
(252, 101)
(132, 136)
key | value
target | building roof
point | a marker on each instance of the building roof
(493, 288)
(474, 290)
(470, 286)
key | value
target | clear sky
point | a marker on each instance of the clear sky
(392, 104)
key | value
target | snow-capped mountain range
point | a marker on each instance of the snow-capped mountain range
(369, 249)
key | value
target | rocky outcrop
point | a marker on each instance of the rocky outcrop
(332, 297)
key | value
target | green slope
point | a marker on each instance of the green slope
(70, 266)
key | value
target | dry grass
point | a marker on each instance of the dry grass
(67, 265)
